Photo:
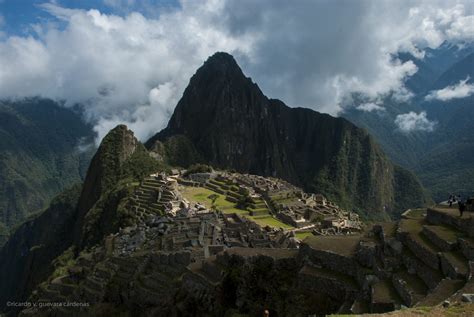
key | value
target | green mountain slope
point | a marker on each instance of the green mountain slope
(76, 219)
(40, 155)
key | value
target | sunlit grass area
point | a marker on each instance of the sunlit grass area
(202, 195)
(303, 235)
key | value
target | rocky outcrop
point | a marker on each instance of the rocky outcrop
(225, 120)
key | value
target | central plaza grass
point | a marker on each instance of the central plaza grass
(201, 195)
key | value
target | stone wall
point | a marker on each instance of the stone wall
(429, 276)
(467, 248)
(427, 256)
(172, 258)
(330, 260)
(331, 286)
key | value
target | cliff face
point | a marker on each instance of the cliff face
(25, 260)
(230, 123)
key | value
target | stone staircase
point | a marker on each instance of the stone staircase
(436, 266)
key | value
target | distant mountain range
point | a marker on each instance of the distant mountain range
(443, 159)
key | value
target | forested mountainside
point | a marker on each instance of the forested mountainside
(44, 148)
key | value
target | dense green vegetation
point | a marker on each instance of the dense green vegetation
(44, 148)
(198, 168)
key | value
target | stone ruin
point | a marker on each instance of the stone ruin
(186, 265)
(304, 211)
(178, 257)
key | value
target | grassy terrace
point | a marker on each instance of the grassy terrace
(445, 232)
(343, 245)
(201, 195)
(303, 235)
(452, 211)
(414, 228)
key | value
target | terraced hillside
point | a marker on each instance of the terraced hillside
(217, 263)
(170, 243)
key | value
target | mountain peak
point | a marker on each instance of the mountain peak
(221, 59)
(221, 66)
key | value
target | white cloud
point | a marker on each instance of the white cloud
(462, 90)
(369, 107)
(132, 69)
(413, 121)
(124, 70)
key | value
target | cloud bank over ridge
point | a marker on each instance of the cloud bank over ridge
(132, 69)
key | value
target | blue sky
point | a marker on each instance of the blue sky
(19, 15)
